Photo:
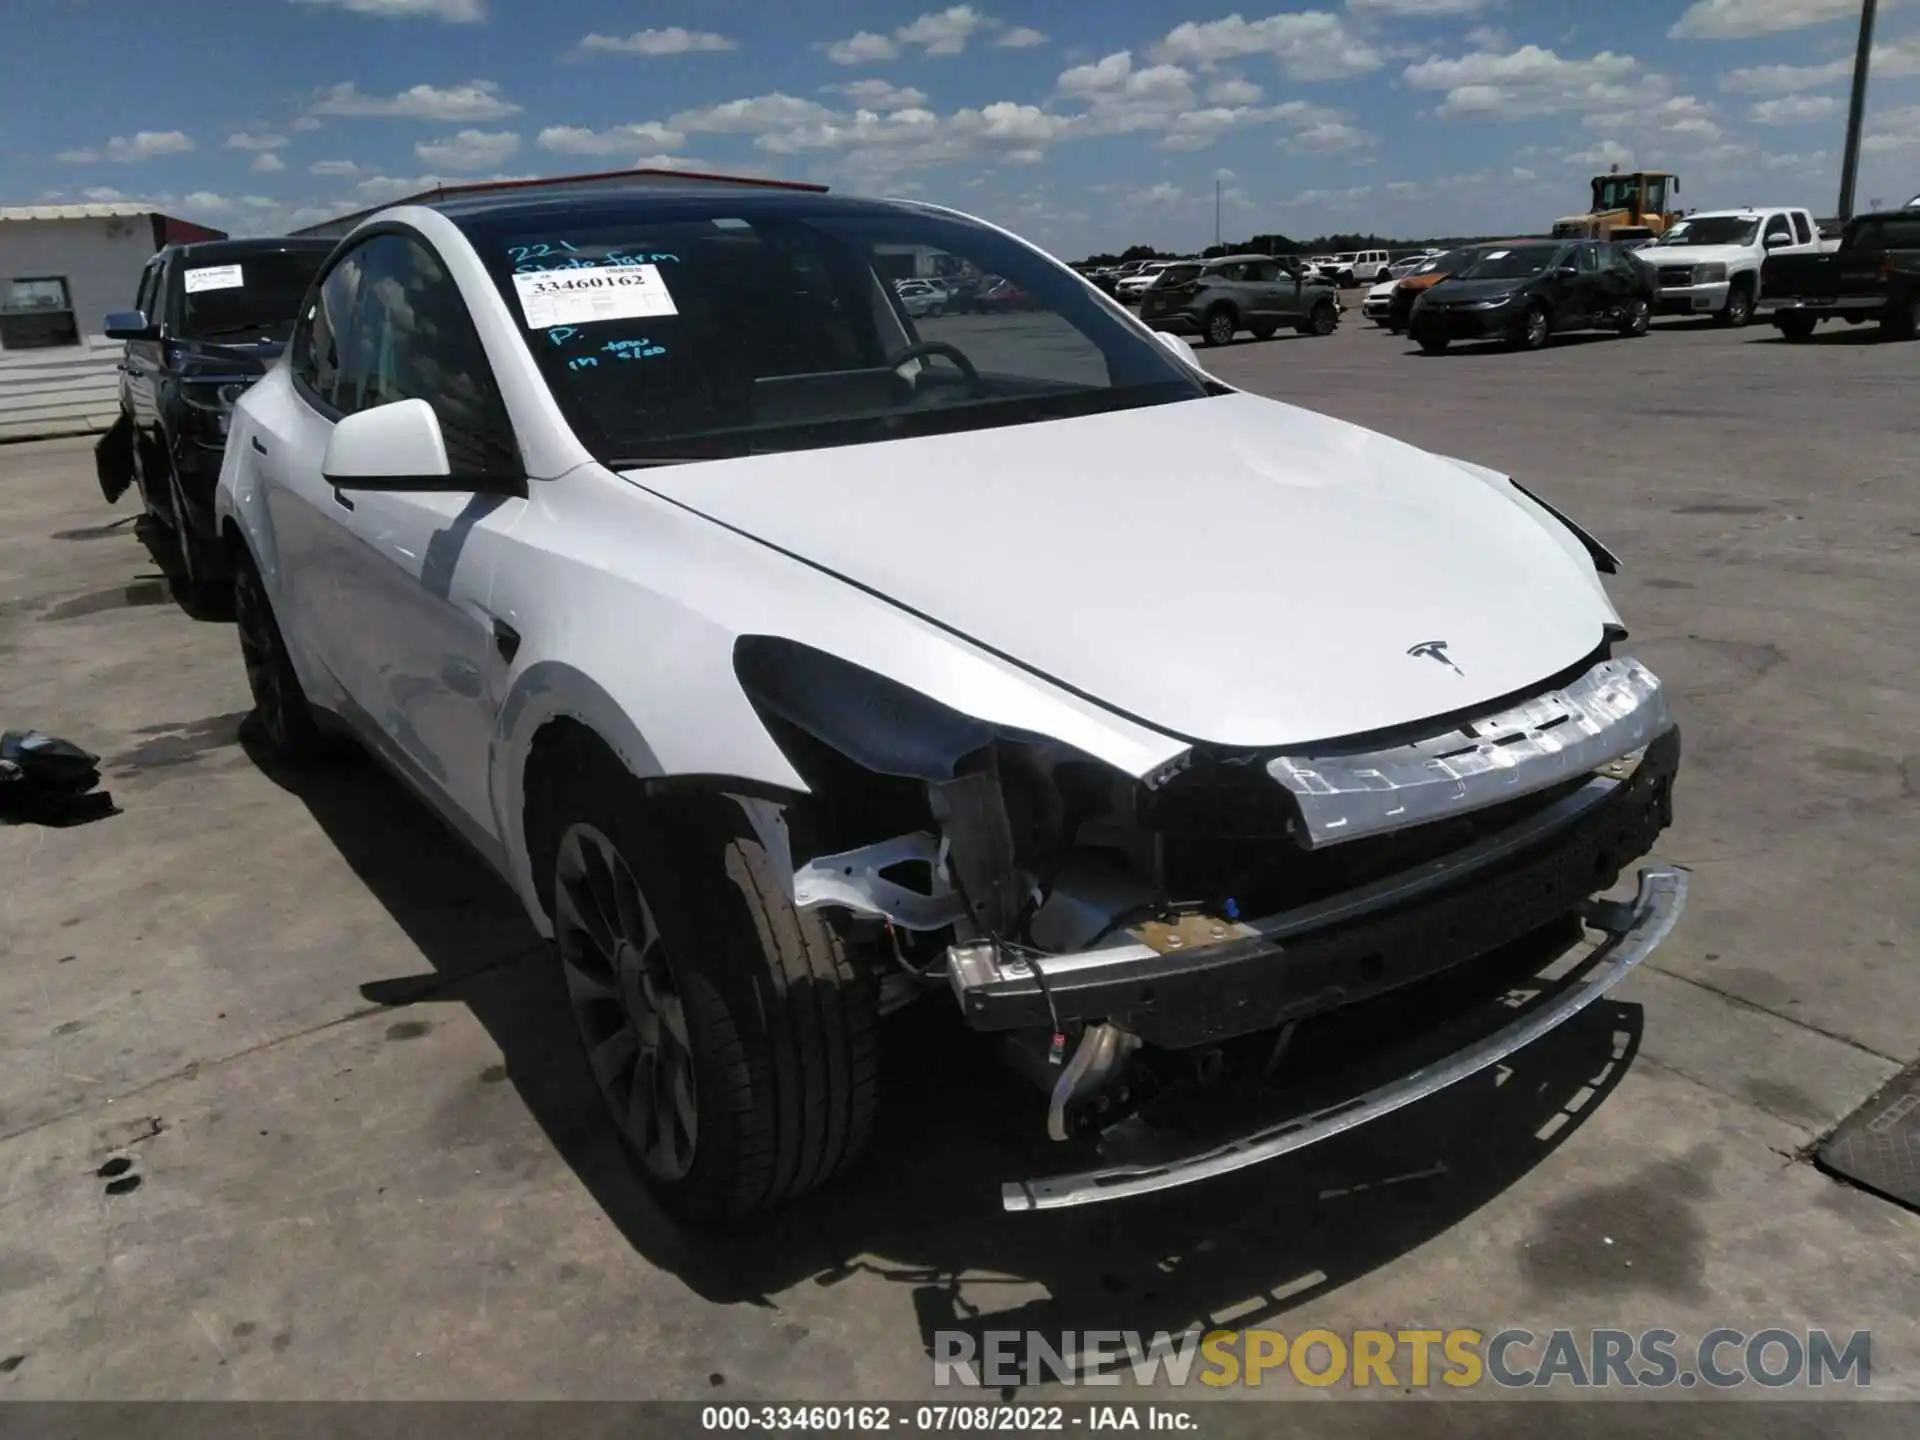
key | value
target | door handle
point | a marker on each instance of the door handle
(257, 445)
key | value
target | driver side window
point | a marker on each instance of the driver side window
(1586, 259)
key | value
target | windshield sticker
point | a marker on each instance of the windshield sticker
(588, 294)
(214, 277)
(1496, 255)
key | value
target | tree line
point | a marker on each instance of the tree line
(1285, 245)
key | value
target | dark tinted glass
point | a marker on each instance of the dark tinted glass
(1894, 232)
(316, 344)
(412, 339)
(686, 329)
(252, 298)
(1509, 262)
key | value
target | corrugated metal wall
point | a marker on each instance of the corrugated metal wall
(74, 390)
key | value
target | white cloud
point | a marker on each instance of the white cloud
(1234, 91)
(1328, 135)
(1532, 81)
(469, 149)
(673, 40)
(1019, 37)
(306, 125)
(1896, 59)
(1520, 175)
(1165, 193)
(247, 140)
(1678, 119)
(458, 12)
(333, 167)
(130, 150)
(880, 95)
(1419, 9)
(1739, 19)
(1894, 132)
(1793, 109)
(1333, 199)
(861, 48)
(103, 195)
(1487, 37)
(1607, 152)
(672, 162)
(943, 32)
(475, 100)
(267, 162)
(381, 188)
(1308, 45)
(576, 140)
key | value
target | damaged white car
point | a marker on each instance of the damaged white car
(798, 658)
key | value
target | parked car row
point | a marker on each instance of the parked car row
(614, 524)
(1726, 265)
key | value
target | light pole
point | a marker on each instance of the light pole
(1850, 160)
(1216, 212)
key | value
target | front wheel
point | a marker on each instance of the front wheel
(732, 1036)
(1220, 327)
(280, 710)
(1436, 345)
(1738, 310)
(1323, 320)
(1533, 330)
(1638, 318)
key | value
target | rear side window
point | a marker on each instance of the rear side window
(1894, 232)
(317, 339)
(1802, 227)
(412, 339)
(144, 298)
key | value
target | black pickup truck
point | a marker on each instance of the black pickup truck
(1874, 275)
(208, 321)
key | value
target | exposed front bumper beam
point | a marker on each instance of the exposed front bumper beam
(1634, 928)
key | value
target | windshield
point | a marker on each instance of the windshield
(1713, 230)
(1178, 275)
(700, 329)
(1894, 232)
(1515, 262)
(255, 297)
(1446, 262)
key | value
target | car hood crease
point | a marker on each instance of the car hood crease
(1229, 569)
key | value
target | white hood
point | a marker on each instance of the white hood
(1228, 569)
(1658, 255)
(1382, 289)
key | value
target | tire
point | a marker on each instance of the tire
(202, 587)
(1220, 327)
(1796, 327)
(1901, 319)
(732, 1036)
(1263, 332)
(936, 312)
(1738, 310)
(281, 715)
(1322, 320)
(1638, 319)
(1437, 345)
(1533, 331)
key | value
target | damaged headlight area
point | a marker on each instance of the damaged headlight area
(1131, 938)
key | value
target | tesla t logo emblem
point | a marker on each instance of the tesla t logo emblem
(1435, 650)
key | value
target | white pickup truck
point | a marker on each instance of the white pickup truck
(1709, 262)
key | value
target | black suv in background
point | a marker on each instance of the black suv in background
(1525, 292)
(207, 321)
(1215, 299)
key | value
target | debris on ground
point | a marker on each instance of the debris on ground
(45, 780)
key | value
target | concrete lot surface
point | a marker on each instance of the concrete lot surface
(364, 1161)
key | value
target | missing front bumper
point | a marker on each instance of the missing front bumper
(1634, 929)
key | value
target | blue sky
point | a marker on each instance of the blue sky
(1083, 126)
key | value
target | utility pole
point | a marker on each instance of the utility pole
(1850, 161)
(1216, 212)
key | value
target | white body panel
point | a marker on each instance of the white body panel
(1742, 262)
(1230, 569)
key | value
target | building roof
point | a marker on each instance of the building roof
(560, 184)
(118, 209)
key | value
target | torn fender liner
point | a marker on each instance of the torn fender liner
(48, 781)
(113, 459)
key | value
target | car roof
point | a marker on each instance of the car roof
(213, 252)
(586, 204)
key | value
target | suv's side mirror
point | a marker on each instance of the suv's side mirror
(398, 446)
(1776, 238)
(131, 325)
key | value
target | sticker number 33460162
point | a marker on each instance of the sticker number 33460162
(590, 293)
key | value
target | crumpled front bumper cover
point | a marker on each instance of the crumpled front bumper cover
(1634, 930)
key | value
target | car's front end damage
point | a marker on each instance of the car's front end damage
(1148, 948)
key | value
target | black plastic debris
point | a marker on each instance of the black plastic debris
(48, 781)
(113, 460)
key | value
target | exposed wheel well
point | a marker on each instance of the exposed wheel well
(1746, 280)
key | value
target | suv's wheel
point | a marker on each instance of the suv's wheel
(1533, 330)
(1795, 326)
(1435, 345)
(1637, 319)
(1738, 310)
(1901, 319)
(732, 1036)
(1221, 325)
(1263, 332)
(201, 587)
(280, 709)
(1323, 320)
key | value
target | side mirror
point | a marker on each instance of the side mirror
(1567, 270)
(398, 446)
(1776, 238)
(131, 325)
